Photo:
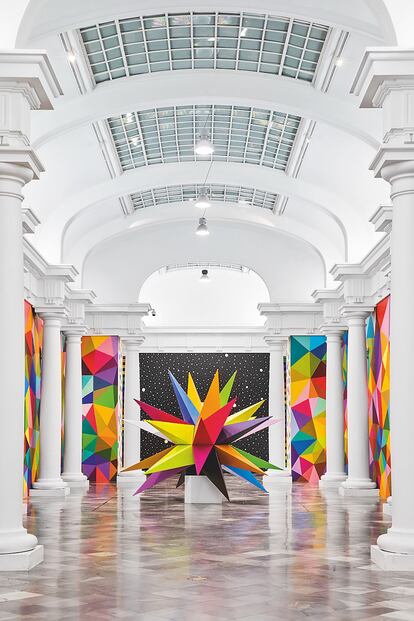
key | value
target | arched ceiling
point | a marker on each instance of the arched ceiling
(271, 85)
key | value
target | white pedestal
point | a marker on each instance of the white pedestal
(200, 490)
(389, 561)
(135, 478)
(277, 477)
(331, 481)
(56, 492)
(76, 482)
(358, 492)
(21, 561)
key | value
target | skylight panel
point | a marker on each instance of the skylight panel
(240, 134)
(208, 40)
(217, 193)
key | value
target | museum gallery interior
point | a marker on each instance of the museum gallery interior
(207, 287)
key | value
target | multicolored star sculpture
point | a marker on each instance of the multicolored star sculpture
(203, 437)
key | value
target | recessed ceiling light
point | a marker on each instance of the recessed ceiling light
(339, 61)
(202, 229)
(71, 57)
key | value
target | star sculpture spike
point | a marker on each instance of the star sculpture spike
(203, 438)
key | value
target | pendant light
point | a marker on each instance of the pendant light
(203, 201)
(204, 146)
(202, 229)
(204, 276)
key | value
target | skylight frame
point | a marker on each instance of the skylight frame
(242, 41)
(240, 134)
(217, 193)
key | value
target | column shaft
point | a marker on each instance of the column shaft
(132, 435)
(335, 454)
(72, 458)
(13, 537)
(50, 482)
(400, 537)
(277, 432)
(358, 480)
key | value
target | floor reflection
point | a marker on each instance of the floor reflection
(294, 553)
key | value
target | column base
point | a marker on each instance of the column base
(358, 492)
(200, 490)
(133, 478)
(59, 492)
(76, 480)
(391, 561)
(283, 477)
(330, 481)
(21, 561)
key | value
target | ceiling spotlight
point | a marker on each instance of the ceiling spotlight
(204, 146)
(135, 141)
(243, 32)
(339, 61)
(202, 201)
(204, 276)
(202, 229)
(71, 57)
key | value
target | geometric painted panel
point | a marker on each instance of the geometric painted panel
(33, 346)
(100, 408)
(308, 407)
(378, 342)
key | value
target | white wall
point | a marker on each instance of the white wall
(229, 298)
(117, 268)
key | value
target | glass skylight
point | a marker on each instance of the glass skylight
(239, 134)
(238, 41)
(216, 193)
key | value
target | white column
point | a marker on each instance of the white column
(50, 482)
(358, 482)
(18, 549)
(277, 432)
(132, 435)
(335, 450)
(72, 456)
(400, 537)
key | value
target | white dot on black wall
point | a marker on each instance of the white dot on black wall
(142, 389)
(226, 355)
(261, 370)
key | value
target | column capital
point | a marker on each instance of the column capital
(276, 343)
(74, 332)
(19, 164)
(356, 312)
(333, 330)
(48, 313)
(132, 343)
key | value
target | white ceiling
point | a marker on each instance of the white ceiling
(331, 193)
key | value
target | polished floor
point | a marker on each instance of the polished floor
(293, 554)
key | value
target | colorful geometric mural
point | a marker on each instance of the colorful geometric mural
(345, 381)
(100, 408)
(378, 342)
(33, 345)
(307, 401)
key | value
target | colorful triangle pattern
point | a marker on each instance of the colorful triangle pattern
(307, 400)
(100, 408)
(202, 439)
